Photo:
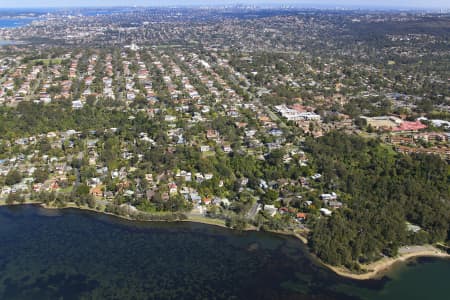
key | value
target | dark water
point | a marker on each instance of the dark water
(77, 255)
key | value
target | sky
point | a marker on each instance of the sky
(310, 3)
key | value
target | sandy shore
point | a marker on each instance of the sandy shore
(293, 234)
(379, 268)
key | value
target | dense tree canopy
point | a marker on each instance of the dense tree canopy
(384, 191)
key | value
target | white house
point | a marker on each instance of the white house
(270, 209)
(77, 104)
(326, 212)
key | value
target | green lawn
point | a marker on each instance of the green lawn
(47, 61)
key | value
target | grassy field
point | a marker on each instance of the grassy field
(47, 61)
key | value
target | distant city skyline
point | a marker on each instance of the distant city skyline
(306, 3)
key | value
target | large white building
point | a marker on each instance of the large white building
(294, 115)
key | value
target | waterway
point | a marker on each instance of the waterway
(15, 22)
(72, 254)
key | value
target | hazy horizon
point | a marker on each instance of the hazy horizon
(308, 3)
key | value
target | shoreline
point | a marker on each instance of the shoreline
(380, 267)
(199, 219)
(374, 270)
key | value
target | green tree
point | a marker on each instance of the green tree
(13, 177)
(270, 196)
(40, 175)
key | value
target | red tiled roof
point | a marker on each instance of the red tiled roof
(301, 215)
(410, 126)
